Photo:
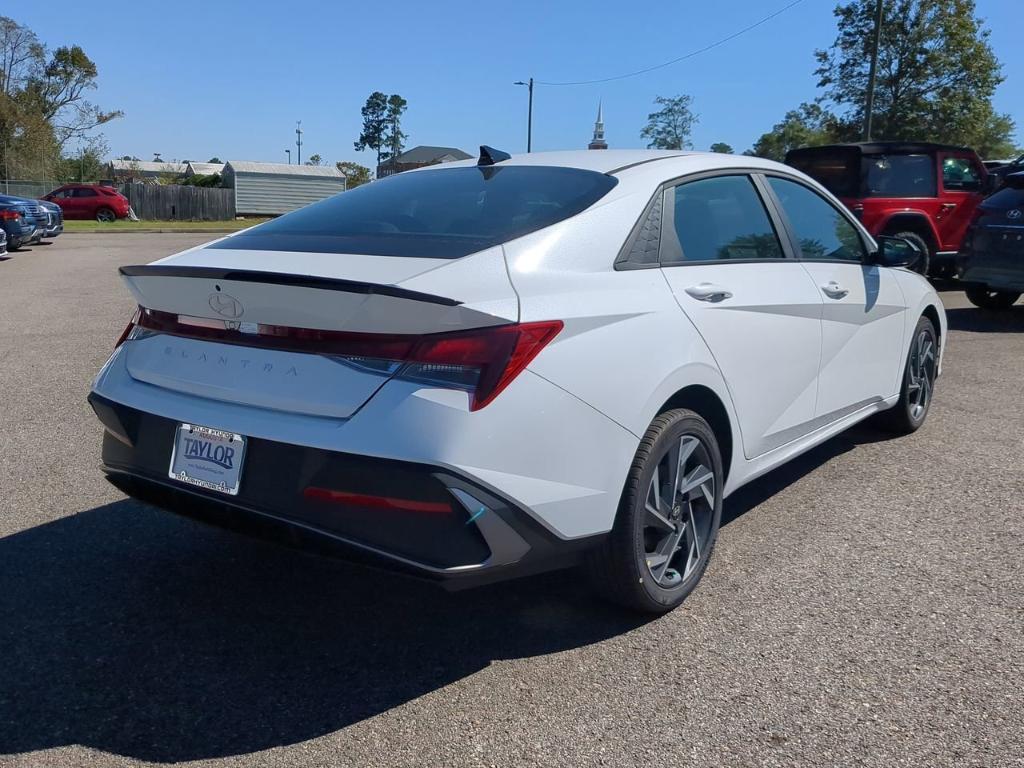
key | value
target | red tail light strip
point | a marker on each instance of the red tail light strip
(499, 353)
(378, 502)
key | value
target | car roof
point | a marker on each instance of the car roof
(618, 161)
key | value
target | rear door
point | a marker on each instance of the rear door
(85, 200)
(757, 310)
(961, 180)
(863, 312)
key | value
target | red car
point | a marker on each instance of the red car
(926, 193)
(90, 201)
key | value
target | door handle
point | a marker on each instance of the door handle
(834, 290)
(708, 292)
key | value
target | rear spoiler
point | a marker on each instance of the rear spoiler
(278, 278)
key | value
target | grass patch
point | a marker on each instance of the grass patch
(123, 225)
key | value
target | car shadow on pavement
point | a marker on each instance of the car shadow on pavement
(147, 635)
(142, 634)
(757, 492)
(985, 320)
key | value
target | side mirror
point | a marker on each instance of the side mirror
(896, 252)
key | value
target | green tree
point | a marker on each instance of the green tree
(936, 73)
(670, 126)
(722, 148)
(394, 139)
(315, 160)
(215, 159)
(375, 114)
(355, 174)
(805, 126)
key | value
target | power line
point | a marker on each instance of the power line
(689, 55)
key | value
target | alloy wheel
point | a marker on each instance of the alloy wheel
(922, 374)
(678, 512)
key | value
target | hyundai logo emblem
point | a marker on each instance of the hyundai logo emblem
(226, 305)
(1013, 213)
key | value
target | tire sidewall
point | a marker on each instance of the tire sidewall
(683, 423)
(922, 324)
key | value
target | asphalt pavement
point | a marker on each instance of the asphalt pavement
(864, 607)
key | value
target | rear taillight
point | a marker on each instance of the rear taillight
(9, 215)
(482, 361)
(132, 325)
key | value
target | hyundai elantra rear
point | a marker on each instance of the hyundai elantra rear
(453, 373)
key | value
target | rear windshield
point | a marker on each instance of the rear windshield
(444, 213)
(899, 176)
(837, 170)
(1007, 197)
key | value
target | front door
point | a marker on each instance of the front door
(758, 311)
(961, 180)
(863, 315)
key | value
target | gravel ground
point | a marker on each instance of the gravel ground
(864, 606)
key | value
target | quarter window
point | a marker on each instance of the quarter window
(718, 219)
(823, 232)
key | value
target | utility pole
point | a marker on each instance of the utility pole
(298, 142)
(529, 114)
(870, 101)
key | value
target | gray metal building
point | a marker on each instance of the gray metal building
(269, 189)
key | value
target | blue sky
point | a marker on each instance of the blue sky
(198, 79)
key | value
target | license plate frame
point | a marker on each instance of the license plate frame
(196, 460)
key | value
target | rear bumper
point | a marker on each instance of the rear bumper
(484, 537)
(998, 269)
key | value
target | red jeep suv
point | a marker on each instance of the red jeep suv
(90, 201)
(925, 193)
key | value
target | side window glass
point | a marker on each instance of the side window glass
(85, 192)
(719, 219)
(959, 173)
(823, 232)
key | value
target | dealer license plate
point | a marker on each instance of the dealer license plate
(207, 458)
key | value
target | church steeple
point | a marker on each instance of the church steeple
(598, 141)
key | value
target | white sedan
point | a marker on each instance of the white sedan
(490, 368)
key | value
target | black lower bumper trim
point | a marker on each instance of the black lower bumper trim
(461, 548)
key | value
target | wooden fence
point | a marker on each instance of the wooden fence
(172, 202)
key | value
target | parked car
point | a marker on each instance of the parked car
(1005, 169)
(19, 221)
(54, 225)
(925, 193)
(90, 201)
(482, 369)
(991, 261)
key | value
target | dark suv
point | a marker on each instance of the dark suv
(926, 193)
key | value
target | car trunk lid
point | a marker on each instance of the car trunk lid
(318, 337)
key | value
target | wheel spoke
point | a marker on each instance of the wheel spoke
(657, 519)
(696, 478)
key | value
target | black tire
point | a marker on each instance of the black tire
(906, 416)
(982, 297)
(924, 263)
(106, 215)
(619, 567)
